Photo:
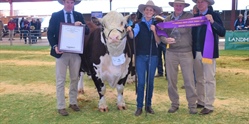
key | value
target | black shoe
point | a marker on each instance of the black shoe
(159, 75)
(63, 112)
(138, 112)
(74, 107)
(199, 106)
(206, 111)
(149, 110)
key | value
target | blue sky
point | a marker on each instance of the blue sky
(86, 6)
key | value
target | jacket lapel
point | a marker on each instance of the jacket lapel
(61, 17)
(76, 16)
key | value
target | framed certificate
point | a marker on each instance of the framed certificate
(71, 38)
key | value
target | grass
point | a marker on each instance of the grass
(27, 93)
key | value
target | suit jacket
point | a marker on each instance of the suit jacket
(199, 34)
(54, 29)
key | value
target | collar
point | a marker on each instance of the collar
(205, 12)
(175, 17)
(144, 20)
(65, 12)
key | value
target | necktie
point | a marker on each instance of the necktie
(68, 17)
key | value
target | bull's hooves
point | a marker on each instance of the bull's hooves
(103, 110)
(121, 107)
(130, 82)
(81, 92)
(124, 107)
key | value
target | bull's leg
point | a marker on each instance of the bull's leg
(101, 91)
(102, 102)
(120, 99)
(81, 84)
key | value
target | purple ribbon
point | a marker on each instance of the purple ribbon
(192, 22)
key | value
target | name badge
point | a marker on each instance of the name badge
(119, 60)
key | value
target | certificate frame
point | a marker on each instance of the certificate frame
(71, 38)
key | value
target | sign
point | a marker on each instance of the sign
(237, 40)
(97, 14)
(71, 38)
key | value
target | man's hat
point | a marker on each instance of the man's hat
(210, 2)
(179, 1)
(240, 15)
(76, 2)
(150, 3)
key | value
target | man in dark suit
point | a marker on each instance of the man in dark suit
(64, 60)
(204, 71)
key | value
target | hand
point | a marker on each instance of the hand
(78, 23)
(129, 28)
(153, 28)
(210, 18)
(57, 50)
(170, 40)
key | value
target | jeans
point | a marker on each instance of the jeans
(145, 68)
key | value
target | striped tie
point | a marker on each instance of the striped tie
(68, 17)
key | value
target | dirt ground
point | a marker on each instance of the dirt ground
(5, 88)
(40, 87)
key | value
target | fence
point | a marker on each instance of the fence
(30, 35)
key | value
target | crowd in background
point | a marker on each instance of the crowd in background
(241, 24)
(26, 29)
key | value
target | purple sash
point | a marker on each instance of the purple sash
(192, 22)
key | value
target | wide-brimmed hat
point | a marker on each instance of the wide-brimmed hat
(240, 15)
(210, 2)
(76, 2)
(179, 1)
(150, 3)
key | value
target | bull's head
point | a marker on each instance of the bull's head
(114, 32)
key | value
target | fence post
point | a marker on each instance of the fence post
(29, 37)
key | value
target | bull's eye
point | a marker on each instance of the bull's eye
(121, 23)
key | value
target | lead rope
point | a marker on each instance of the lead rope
(134, 57)
(148, 74)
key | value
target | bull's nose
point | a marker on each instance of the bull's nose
(114, 37)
